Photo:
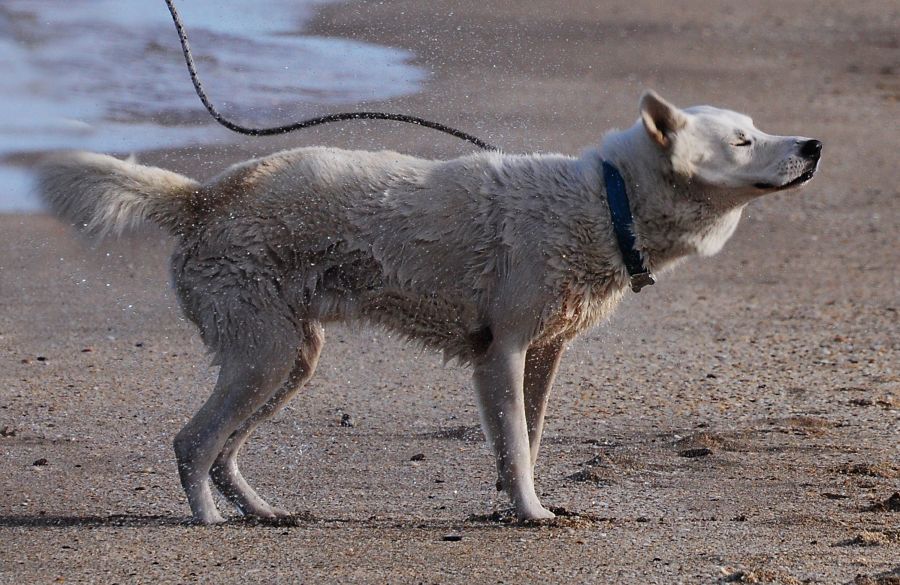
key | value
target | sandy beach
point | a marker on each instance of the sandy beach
(738, 422)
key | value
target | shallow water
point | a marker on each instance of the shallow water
(108, 75)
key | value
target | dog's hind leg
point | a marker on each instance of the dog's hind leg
(225, 472)
(248, 377)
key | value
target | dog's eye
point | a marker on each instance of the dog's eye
(742, 142)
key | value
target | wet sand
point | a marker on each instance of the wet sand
(739, 421)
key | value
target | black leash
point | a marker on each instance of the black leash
(189, 59)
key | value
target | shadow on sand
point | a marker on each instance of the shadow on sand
(90, 521)
(143, 521)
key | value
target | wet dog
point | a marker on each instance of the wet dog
(497, 260)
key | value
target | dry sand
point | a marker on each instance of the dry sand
(776, 363)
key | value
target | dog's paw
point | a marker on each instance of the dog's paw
(279, 513)
(534, 515)
(205, 520)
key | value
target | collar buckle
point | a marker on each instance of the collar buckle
(642, 279)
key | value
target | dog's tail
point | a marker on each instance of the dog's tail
(101, 194)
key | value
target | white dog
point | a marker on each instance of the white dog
(497, 260)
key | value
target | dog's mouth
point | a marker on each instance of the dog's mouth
(803, 178)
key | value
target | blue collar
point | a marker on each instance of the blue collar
(623, 225)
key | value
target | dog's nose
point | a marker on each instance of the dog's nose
(811, 149)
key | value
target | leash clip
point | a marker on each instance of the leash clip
(642, 279)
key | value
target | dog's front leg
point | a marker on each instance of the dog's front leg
(499, 384)
(541, 365)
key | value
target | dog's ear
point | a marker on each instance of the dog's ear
(661, 119)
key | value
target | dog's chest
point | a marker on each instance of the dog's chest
(577, 309)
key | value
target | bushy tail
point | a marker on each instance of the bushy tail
(101, 194)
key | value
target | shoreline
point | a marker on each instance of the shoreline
(263, 68)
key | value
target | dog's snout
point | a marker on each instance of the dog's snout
(811, 149)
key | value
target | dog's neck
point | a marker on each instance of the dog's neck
(672, 218)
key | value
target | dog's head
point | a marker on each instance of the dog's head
(723, 154)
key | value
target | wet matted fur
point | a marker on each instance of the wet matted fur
(497, 260)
